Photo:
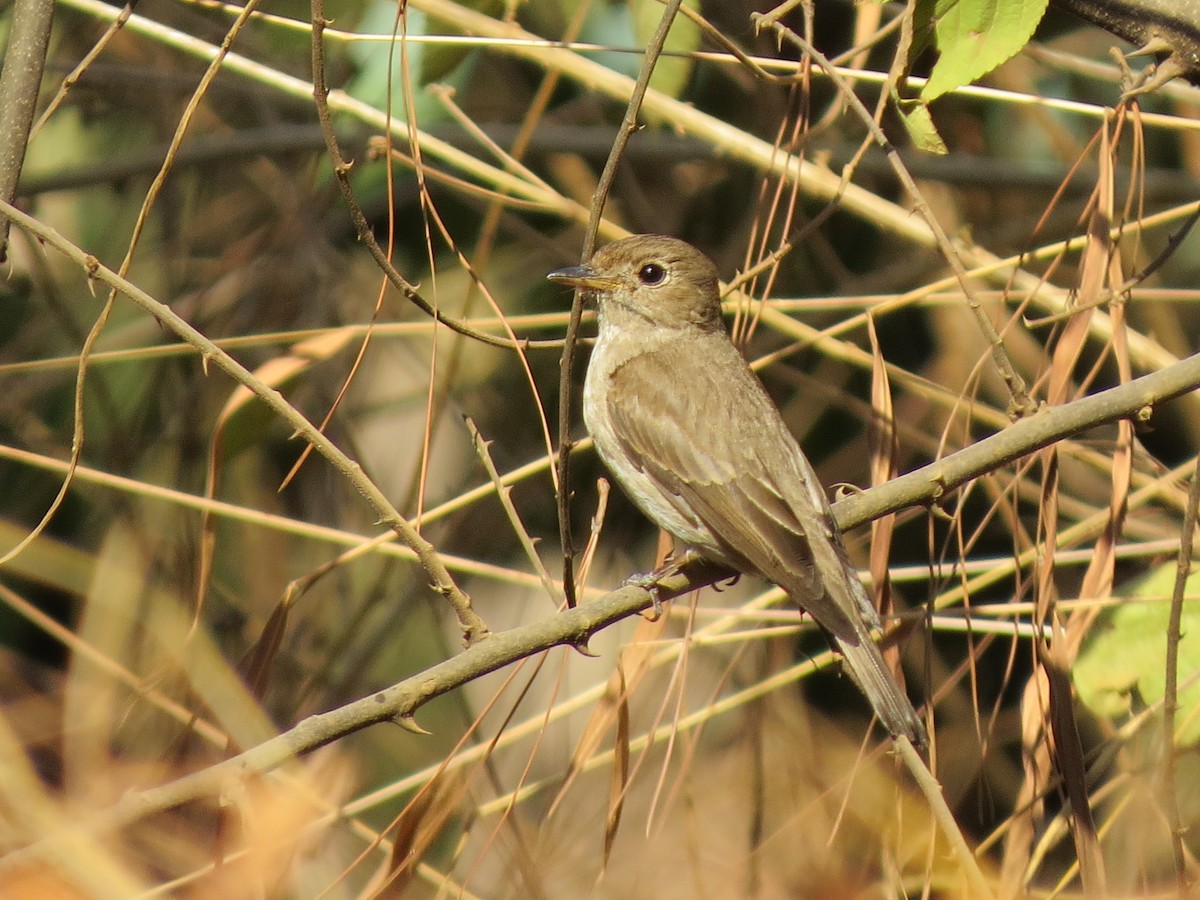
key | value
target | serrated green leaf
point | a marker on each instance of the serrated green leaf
(1122, 664)
(975, 36)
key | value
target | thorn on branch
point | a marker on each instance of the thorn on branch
(581, 647)
(409, 724)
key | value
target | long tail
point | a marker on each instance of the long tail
(877, 683)
(847, 614)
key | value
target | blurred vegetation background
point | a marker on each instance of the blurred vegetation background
(153, 626)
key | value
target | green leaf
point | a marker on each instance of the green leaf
(631, 25)
(1121, 667)
(671, 73)
(380, 73)
(439, 61)
(975, 36)
(921, 130)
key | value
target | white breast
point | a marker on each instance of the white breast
(660, 506)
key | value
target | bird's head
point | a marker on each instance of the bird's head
(650, 277)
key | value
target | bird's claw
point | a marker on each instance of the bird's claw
(643, 580)
(648, 581)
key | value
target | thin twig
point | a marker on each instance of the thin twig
(937, 803)
(473, 627)
(1021, 403)
(1171, 687)
(628, 127)
(341, 176)
(20, 80)
(93, 335)
(504, 494)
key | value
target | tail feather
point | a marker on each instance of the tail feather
(847, 615)
(876, 681)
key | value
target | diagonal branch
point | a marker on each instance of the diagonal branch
(574, 627)
(472, 625)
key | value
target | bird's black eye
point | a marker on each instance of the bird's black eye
(651, 273)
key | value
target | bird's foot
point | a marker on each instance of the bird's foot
(648, 581)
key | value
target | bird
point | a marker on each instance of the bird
(693, 438)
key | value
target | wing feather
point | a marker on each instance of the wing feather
(747, 481)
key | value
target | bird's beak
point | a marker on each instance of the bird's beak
(582, 277)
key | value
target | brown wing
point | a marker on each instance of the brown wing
(704, 429)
